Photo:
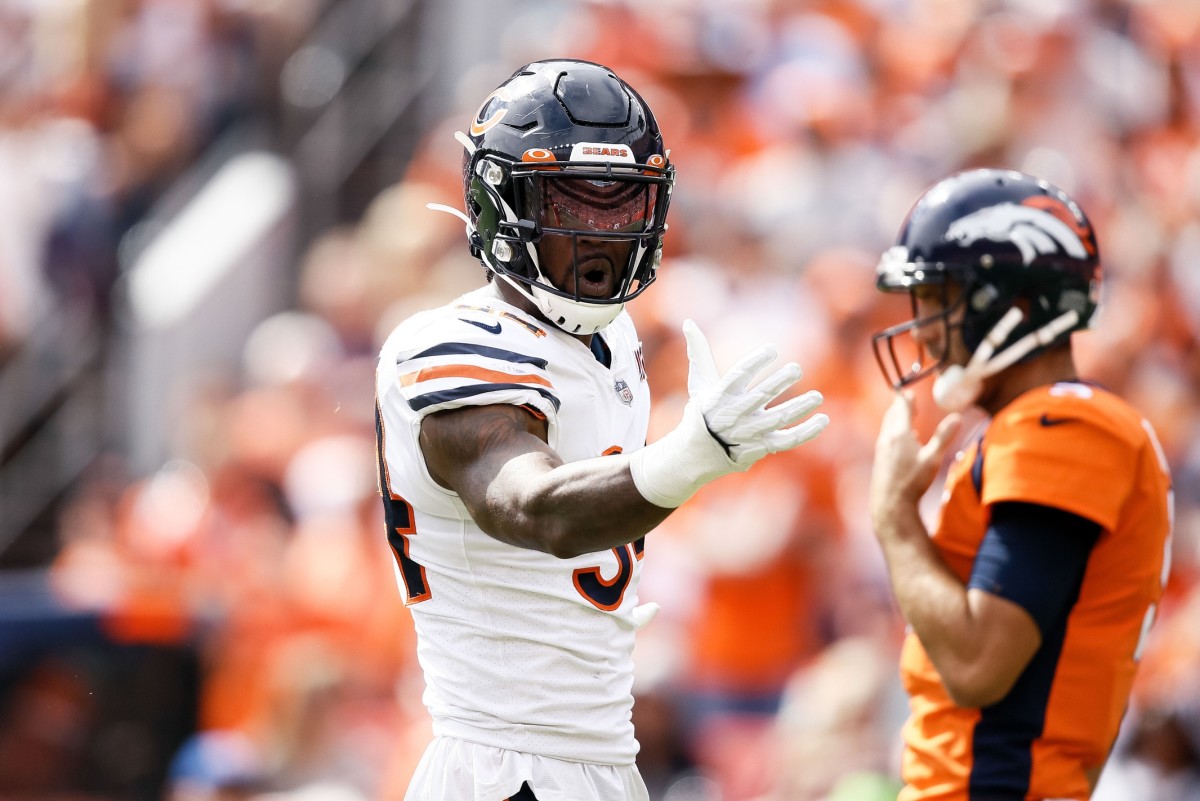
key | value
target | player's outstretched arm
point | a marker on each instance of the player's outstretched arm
(519, 490)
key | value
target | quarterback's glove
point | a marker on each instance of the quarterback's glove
(726, 424)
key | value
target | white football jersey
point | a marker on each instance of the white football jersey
(520, 650)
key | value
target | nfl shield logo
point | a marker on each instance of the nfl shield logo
(624, 392)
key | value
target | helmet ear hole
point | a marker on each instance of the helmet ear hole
(983, 297)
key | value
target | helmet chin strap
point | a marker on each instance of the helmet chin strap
(459, 213)
(957, 387)
(571, 316)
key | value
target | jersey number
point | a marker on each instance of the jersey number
(602, 593)
(399, 515)
(607, 594)
(401, 524)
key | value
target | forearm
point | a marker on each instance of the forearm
(933, 600)
(520, 491)
(979, 642)
(498, 460)
(567, 509)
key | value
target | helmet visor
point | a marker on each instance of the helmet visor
(570, 204)
(588, 232)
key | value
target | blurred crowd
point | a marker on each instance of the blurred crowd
(103, 105)
(248, 582)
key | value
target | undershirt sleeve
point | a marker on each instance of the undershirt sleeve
(1034, 556)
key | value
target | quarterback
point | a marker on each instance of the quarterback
(515, 474)
(1028, 606)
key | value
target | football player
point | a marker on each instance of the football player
(512, 423)
(1028, 606)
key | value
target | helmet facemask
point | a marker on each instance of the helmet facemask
(523, 206)
(997, 330)
(902, 356)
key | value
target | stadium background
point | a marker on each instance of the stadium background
(211, 212)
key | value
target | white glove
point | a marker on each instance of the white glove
(726, 424)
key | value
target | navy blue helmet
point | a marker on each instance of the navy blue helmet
(566, 148)
(1003, 239)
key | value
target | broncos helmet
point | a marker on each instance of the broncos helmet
(1006, 240)
(566, 148)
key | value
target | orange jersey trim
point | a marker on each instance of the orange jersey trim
(532, 411)
(469, 371)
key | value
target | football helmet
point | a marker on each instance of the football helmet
(1003, 240)
(565, 148)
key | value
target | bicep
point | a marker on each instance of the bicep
(1035, 556)
(475, 452)
(1026, 579)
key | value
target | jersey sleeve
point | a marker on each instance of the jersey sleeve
(1067, 459)
(1035, 556)
(472, 360)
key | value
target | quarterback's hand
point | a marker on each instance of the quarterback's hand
(736, 414)
(727, 425)
(904, 467)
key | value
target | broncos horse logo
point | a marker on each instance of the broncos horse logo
(1034, 231)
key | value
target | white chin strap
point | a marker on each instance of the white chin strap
(570, 315)
(459, 213)
(957, 387)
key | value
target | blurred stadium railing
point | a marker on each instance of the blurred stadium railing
(213, 257)
(50, 427)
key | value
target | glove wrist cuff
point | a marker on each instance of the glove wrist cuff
(674, 468)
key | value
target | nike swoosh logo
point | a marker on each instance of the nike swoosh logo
(494, 328)
(1048, 421)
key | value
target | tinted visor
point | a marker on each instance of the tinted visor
(578, 204)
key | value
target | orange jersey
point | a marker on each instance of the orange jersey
(1083, 450)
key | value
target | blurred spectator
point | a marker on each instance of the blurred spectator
(837, 727)
(215, 766)
(1160, 758)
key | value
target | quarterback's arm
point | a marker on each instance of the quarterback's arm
(980, 635)
(520, 491)
(979, 642)
(1026, 576)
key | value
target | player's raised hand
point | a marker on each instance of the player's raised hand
(737, 414)
(904, 467)
(728, 423)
